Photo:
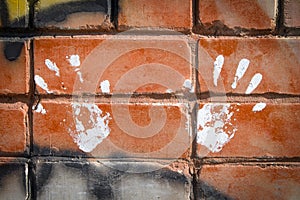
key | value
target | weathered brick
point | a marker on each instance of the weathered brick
(291, 13)
(14, 14)
(122, 130)
(126, 65)
(94, 180)
(14, 67)
(13, 179)
(13, 128)
(269, 131)
(276, 60)
(232, 14)
(151, 13)
(73, 14)
(248, 182)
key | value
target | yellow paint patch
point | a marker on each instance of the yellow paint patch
(17, 9)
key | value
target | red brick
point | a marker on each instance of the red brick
(249, 182)
(276, 60)
(14, 74)
(13, 128)
(291, 13)
(151, 13)
(273, 131)
(72, 14)
(53, 130)
(143, 69)
(247, 14)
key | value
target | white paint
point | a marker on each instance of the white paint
(91, 126)
(169, 91)
(214, 126)
(52, 66)
(255, 81)
(188, 85)
(74, 60)
(40, 82)
(240, 71)
(218, 65)
(39, 109)
(80, 76)
(259, 107)
(105, 86)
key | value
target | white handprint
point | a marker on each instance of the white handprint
(214, 120)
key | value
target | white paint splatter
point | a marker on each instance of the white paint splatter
(214, 126)
(74, 60)
(104, 85)
(259, 107)
(188, 85)
(169, 91)
(91, 126)
(255, 81)
(39, 109)
(52, 66)
(80, 76)
(240, 71)
(40, 82)
(218, 64)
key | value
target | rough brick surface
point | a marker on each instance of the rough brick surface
(94, 180)
(139, 65)
(276, 60)
(259, 133)
(14, 14)
(151, 13)
(13, 128)
(248, 182)
(14, 67)
(72, 14)
(13, 179)
(149, 99)
(132, 130)
(291, 13)
(247, 14)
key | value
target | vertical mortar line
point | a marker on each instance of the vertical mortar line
(194, 119)
(279, 29)
(31, 13)
(114, 5)
(30, 114)
(194, 100)
(195, 13)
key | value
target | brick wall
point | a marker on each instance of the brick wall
(147, 99)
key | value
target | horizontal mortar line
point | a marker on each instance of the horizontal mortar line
(233, 97)
(13, 159)
(14, 98)
(14, 32)
(28, 32)
(187, 96)
(139, 98)
(239, 160)
(253, 164)
(127, 159)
